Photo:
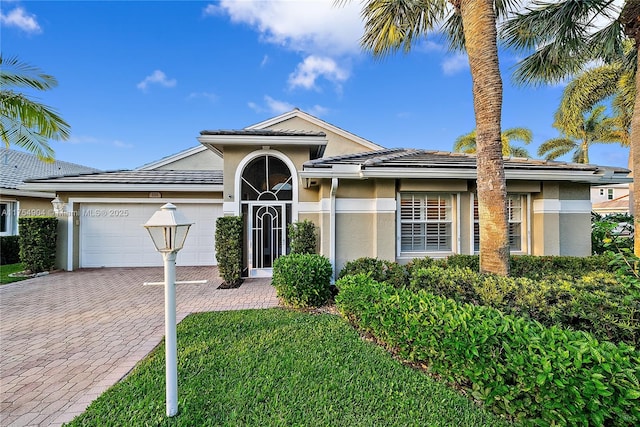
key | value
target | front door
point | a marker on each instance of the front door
(267, 193)
(267, 237)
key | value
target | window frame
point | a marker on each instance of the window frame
(10, 217)
(454, 211)
(525, 223)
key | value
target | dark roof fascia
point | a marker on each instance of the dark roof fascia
(403, 163)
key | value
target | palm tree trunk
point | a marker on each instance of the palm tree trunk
(479, 23)
(634, 153)
(585, 152)
(630, 19)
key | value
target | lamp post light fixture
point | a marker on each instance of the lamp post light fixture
(59, 206)
(168, 229)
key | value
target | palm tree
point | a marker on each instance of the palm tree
(23, 121)
(565, 40)
(596, 128)
(470, 25)
(468, 144)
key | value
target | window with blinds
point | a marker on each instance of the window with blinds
(426, 222)
(514, 217)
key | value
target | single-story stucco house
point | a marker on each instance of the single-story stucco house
(366, 200)
(15, 168)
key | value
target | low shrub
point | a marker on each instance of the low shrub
(38, 235)
(539, 267)
(9, 250)
(303, 237)
(516, 366)
(302, 280)
(378, 269)
(229, 249)
(597, 302)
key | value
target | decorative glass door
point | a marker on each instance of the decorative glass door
(267, 195)
(268, 237)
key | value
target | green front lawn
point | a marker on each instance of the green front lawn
(5, 270)
(281, 367)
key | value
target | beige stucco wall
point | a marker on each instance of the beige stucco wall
(562, 220)
(203, 160)
(337, 144)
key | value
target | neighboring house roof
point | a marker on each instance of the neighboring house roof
(17, 167)
(136, 180)
(414, 163)
(172, 158)
(619, 204)
(296, 112)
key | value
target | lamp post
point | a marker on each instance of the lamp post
(168, 229)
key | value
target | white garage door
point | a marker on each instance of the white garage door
(112, 235)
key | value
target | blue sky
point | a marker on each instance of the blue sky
(138, 80)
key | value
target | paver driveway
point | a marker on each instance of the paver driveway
(67, 337)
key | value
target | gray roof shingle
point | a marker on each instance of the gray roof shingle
(140, 177)
(414, 158)
(17, 167)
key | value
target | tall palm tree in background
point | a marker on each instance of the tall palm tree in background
(468, 144)
(596, 128)
(391, 25)
(565, 41)
(23, 121)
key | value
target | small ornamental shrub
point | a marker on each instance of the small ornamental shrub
(303, 238)
(9, 250)
(519, 368)
(378, 269)
(229, 249)
(37, 239)
(302, 280)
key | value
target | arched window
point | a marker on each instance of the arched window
(266, 178)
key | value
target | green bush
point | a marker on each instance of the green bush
(517, 367)
(380, 270)
(303, 238)
(37, 239)
(302, 280)
(9, 250)
(597, 302)
(229, 249)
(538, 267)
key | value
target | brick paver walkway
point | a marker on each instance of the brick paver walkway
(67, 337)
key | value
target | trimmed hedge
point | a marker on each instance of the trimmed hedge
(229, 249)
(515, 366)
(597, 302)
(9, 250)
(302, 280)
(302, 236)
(380, 270)
(38, 235)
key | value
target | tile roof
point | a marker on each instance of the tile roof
(415, 158)
(17, 166)
(262, 132)
(140, 177)
(618, 203)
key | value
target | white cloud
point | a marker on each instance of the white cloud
(157, 77)
(119, 144)
(21, 19)
(454, 64)
(314, 67)
(82, 139)
(308, 26)
(274, 106)
(206, 95)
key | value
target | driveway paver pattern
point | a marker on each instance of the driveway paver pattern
(67, 337)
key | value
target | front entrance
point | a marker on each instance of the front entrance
(266, 205)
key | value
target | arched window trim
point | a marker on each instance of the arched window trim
(269, 152)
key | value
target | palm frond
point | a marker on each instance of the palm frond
(391, 25)
(466, 143)
(556, 147)
(519, 152)
(15, 73)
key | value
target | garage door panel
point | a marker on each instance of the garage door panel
(112, 235)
